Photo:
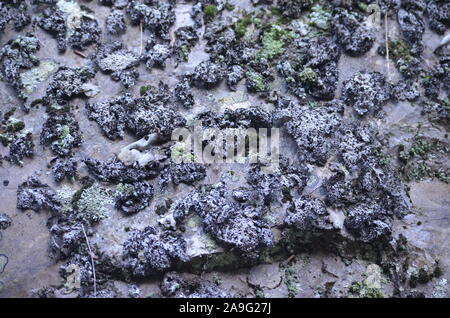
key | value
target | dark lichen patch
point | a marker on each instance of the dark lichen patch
(134, 197)
(68, 83)
(355, 38)
(115, 171)
(19, 140)
(15, 12)
(175, 286)
(366, 92)
(16, 56)
(85, 34)
(111, 115)
(185, 40)
(33, 194)
(5, 221)
(115, 23)
(53, 21)
(62, 133)
(63, 168)
(239, 226)
(113, 58)
(153, 250)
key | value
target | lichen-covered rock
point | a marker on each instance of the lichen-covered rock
(355, 38)
(133, 197)
(310, 66)
(148, 117)
(64, 240)
(68, 83)
(61, 132)
(293, 9)
(366, 92)
(208, 74)
(115, 22)
(156, 55)
(85, 34)
(157, 17)
(92, 203)
(17, 55)
(33, 194)
(308, 215)
(277, 185)
(437, 79)
(185, 38)
(234, 74)
(21, 147)
(251, 117)
(64, 168)
(412, 27)
(183, 92)
(438, 12)
(15, 12)
(5, 221)
(53, 21)
(187, 173)
(115, 171)
(238, 226)
(356, 143)
(313, 129)
(111, 115)
(112, 58)
(368, 223)
(153, 250)
(175, 286)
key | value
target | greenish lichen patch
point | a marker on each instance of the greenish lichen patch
(291, 281)
(93, 204)
(31, 78)
(361, 290)
(273, 42)
(320, 18)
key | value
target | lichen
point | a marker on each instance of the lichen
(93, 204)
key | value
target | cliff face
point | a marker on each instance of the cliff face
(96, 196)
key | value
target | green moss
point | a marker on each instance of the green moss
(64, 132)
(402, 242)
(229, 6)
(307, 75)
(15, 125)
(184, 52)
(5, 139)
(240, 27)
(144, 89)
(9, 113)
(363, 6)
(36, 102)
(399, 50)
(210, 11)
(256, 81)
(291, 280)
(361, 290)
(259, 293)
(273, 42)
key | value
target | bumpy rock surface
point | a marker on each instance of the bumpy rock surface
(153, 250)
(34, 195)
